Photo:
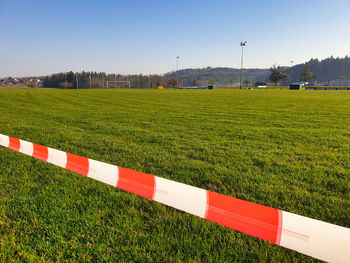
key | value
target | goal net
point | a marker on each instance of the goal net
(114, 84)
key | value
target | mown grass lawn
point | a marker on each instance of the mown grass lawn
(285, 149)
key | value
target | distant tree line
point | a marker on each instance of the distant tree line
(94, 80)
(219, 75)
(322, 70)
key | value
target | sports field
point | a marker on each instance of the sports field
(284, 149)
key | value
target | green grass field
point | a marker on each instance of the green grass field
(285, 149)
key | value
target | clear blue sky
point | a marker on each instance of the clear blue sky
(140, 36)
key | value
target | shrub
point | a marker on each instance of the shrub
(31, 84)
(66, 85)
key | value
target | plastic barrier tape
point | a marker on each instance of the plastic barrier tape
(312, 237)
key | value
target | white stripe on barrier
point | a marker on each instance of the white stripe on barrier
(187, 198)
(103, 172)
(26, 147)
(313, 237)
(57, 157)
(4, 140)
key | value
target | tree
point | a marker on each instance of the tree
(157, 81)
(247, 83)
(306, 74)
(31, 84)
(194, 82)
(180, 82)
(172, 82)
(212, 82)
(277, 74)
(97, 83)
(230, 81)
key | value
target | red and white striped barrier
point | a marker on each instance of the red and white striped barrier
(312, 237)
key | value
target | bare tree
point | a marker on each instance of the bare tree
(194, 82)
(277, 74)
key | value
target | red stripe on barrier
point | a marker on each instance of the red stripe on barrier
(40, 152)
(14, 144)
(136, 182)
(253, 219)
(77, 164)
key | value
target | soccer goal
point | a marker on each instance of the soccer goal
(118, 84)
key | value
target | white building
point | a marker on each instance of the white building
(339, 82)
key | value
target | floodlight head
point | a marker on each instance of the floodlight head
(178, 57)
(243, 43)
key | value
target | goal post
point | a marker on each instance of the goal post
(114, 83)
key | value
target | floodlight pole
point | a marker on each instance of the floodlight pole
(241, 76)
(177, 72)
(291, 70)
(90, 79)
(77, 79)
(149, 81)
